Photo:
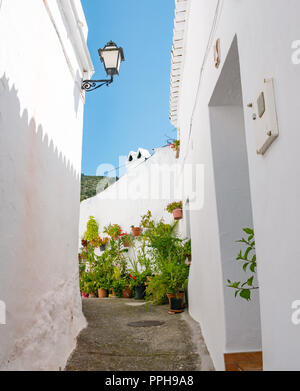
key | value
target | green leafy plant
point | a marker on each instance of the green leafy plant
(92, 229)
(167, 253)
(157, 290)
(174, 205)
(118, 287)
(138, 272)
(176, 276)
(147, 221)
(248, 258)
(104, 270)
(113, 230)
(175, 145)
(188, 248)
(127, 239)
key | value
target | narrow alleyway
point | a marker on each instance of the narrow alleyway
(110, 343)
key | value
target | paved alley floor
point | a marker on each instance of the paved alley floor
(109, 343)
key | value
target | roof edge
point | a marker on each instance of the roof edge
(182, 8)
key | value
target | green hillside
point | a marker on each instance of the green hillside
(89, 185)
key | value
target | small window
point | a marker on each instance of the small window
(139, 155)
(130, 158)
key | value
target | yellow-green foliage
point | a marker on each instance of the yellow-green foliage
(92, 229)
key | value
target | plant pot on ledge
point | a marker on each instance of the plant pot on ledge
(136, 231)
(126, 293)
(102, 293)
(177, 214)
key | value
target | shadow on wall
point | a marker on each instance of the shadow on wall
(77, 92)
(39, 214)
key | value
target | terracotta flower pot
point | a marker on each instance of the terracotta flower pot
(179, 295)
(126, 294)
(176, 304)
(102, 293)
(177, 214)
(126, 243)
(136, 231)
(92, 295)
(170, 296)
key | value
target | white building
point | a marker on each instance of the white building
(43, 57)
(225, 54)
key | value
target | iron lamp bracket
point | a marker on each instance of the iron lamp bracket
(91, 85)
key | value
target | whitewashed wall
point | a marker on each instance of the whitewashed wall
(41, 115)
(146, 186)
(265, 31)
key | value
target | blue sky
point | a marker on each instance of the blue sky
(134, 111)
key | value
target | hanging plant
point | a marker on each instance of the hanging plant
(176, 209)
(136, 231)
(127, 239)
(113, 230)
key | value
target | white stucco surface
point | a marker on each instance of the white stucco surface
(43, 57)
(264, 33)
(147, 185)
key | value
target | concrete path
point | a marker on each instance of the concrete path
(110, 344)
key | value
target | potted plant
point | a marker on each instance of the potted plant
(92, 229)
(176, 304)
(176, 209)
(176, 147)
(136, 231)
(104, 243)
(90, 289)
(126, 239)
(175, 272)
(113, 230)
(118, 288)
(102, 293)
(102, 288)
(138, 283)
(127, 292)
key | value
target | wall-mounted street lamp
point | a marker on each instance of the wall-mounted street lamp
(111, 56)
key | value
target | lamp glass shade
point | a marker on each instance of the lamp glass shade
(111, 56)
